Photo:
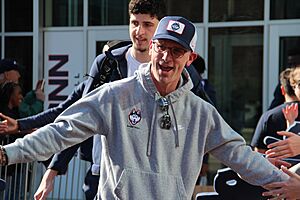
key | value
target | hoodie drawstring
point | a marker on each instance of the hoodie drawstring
(176, 126)
(150, 134)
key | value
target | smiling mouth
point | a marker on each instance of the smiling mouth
(140, 40)
(165, 69)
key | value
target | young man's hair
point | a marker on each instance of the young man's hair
(285, 81)
(155, 8)
(295, 75)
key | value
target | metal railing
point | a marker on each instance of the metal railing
(22, 180)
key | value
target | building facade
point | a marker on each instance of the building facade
(245, 44)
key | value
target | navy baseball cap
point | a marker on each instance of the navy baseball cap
(177, 29)
(8, 65)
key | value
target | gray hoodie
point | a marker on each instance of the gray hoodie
(140, 160)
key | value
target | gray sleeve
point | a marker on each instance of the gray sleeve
(74, 125)
(231, 149)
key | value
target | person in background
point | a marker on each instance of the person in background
(33, 101)
(153, 140)
(292, 60)
(289, 147)
(274, 120)
(11, 98)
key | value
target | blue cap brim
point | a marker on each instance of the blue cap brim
(170, 37)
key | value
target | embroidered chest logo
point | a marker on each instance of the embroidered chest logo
(134, 116)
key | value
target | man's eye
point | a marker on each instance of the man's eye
(135, 23)
(161, 47)
(148, 24)
(177, 51)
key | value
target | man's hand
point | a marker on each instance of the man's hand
(40, 95)
(8, 125)
(285, 148)
(288, 190)
(290, 113)
(46, 185)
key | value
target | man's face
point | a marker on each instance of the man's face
(12, 75)
(141, 30)
(168, 59)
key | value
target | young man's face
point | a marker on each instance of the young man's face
(141, 30)
(168, 59)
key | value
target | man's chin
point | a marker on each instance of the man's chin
(140, 49)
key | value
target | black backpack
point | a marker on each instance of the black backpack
(230, 186)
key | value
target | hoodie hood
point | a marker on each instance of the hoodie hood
(186, 85)
(146, 80)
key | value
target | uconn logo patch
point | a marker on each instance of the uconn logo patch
(175, 26)
(134, 117)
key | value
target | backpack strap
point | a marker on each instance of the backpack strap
(108, 65)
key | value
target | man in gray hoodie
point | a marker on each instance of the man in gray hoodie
(155, 129)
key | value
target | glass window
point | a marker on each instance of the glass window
(190, 9)
(63, 13)
(20, 49)
(232, 10)
(235, 67)
(285, 9)
(18, 15)
(289, 51)
(105, 12)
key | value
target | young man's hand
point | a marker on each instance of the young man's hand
(46, 185)
(8, 125)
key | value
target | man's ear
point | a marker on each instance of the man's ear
(282, 90)
(192, 57)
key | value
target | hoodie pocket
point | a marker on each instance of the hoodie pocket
(134, 184)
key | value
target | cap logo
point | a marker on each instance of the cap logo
(175, 26)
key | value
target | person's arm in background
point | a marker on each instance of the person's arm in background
(33, 103)
(46, 186)
(41, 119)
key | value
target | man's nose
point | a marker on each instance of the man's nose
(167, 54)
(140, 30)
